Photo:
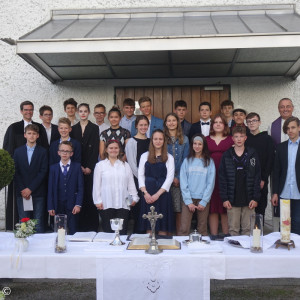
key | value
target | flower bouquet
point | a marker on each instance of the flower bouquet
(25, 228)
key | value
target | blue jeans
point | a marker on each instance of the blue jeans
(38, 211)
(295, 216)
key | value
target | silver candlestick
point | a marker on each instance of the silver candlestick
(116, 225)
(152, 217)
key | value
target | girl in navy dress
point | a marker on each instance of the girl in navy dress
(156, 174)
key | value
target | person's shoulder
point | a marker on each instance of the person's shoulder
(170, 157)
(40, 149)
(157, 119)
(54, 167)
(20, 149)
(145, 155)
(185, 139)
(196, 124)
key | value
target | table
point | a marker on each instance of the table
(114, 267)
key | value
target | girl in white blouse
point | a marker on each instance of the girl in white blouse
(113, 184)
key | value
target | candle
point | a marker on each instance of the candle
(285, 220)
(256, 238)
(61, 238)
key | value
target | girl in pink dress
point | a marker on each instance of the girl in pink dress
(218, 142)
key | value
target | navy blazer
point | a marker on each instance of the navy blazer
(74, 186)
(281, 166)
(195, 128)
(156, 123)
(55, 158)
(31, 176)
(54, 134)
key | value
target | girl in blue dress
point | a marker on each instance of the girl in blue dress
(156, 174)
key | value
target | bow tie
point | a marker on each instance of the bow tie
(204, 123)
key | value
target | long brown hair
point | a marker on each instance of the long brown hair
(179, 134)
(226, 130)
(112, 142)
(205, 152)
(164, 149)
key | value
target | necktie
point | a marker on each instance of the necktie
(65, 172)
(204, 123)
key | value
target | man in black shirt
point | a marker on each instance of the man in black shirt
(264, 147)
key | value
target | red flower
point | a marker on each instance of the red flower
(286, 222)
(25, 220)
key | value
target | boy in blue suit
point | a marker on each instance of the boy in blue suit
(65, 188)
(31, 163)
(145, 104)
(64, 129)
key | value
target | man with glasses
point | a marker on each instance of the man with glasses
(263, 144)
(100, 114)
(285, 108)
(14, 138)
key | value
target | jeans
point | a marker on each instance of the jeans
(38, 211)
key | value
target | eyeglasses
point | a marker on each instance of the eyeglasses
(252, 121)
(47, 115)
(64, 151)
(287, 106)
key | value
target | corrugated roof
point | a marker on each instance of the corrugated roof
(262, 40)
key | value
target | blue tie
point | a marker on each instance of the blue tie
(65, 172)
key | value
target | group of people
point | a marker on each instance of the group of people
(218, 167)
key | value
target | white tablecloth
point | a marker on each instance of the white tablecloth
(99, 260)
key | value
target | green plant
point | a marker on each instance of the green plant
(7, 168)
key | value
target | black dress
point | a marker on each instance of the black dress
(155, 176)
(88, 217)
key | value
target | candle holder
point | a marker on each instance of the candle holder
(256, 233)
(60, 227)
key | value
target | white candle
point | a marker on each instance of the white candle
(256, 238)
(61, 238)
(285, 220)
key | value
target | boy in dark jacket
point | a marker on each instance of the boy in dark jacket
(264, 146)
(239, 179)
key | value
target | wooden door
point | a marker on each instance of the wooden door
(163, 98)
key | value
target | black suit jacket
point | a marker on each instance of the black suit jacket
(54, 134)
(89, 143)
(31, 176)
(281, 167)
(14, 137)
(195, 128)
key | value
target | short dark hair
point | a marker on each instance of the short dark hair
(26, 103)
(239, 129)
(128, 102)
(64, 121)
(144, 99)
(100, 106)
(227, 103)
(32, 127)
(180, 103)
(66, 143)
(288, 121)
(239, 110)
(205, 103)
(252, 115)
(70, 101)
(44, 108)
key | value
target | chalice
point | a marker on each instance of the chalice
(116, 225)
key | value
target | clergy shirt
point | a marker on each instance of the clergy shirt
(283, 136)
(62, 166)
(170, 165)
(30, 152)
(126, 123)
(113, 184)
(290, 189)
(205, 128)
(48, 132)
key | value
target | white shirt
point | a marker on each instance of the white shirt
(26, 123)
(113, 184)
(62, 166)
(48, 132)
(170, 171)
(205, 128)
(102, 127)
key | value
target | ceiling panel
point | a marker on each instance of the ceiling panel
(203, 70)
(156, 71)
(83, 72)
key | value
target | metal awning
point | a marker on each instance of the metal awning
(262, 40)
